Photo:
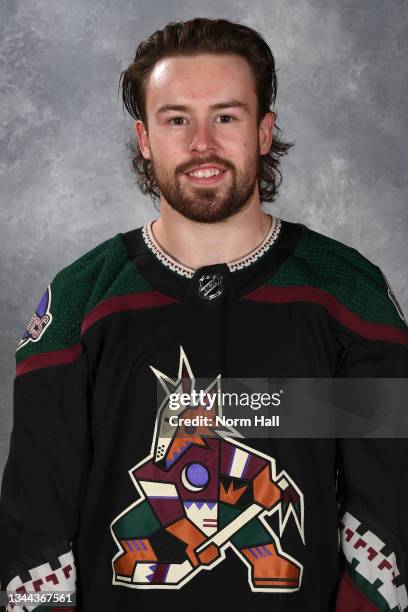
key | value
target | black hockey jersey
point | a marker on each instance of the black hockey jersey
(101, 497)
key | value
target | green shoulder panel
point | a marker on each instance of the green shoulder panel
(325, 263)
(101, 273)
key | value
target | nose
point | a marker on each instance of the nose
(202, 138)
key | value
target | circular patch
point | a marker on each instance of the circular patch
(195, 477)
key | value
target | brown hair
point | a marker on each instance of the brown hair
(193, 37)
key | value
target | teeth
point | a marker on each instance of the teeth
(205, 173)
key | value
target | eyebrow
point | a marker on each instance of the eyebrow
(220, 105)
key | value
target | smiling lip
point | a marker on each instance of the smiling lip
(209, 180)
(207, 167)
(203, 180)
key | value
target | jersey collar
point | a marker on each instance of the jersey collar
(239, 264)
(248, 273)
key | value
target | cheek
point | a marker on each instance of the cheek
(249, 147)
(163, 150)
(246, 141)
(169, 150)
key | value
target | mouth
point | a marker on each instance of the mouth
(206, 176)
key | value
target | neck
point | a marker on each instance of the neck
(202, 244)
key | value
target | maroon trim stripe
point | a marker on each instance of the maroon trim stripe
(349, 597)
(345, 316)
(130, 301)
(49, 358)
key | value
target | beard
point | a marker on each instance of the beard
(207, 204)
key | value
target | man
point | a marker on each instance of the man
(117, 489)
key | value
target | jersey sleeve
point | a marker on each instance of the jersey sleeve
(46, 475)
(373, 472)
(46, 472)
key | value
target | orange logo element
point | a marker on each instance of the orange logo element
(231, 496)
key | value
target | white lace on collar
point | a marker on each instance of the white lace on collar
(237, 264)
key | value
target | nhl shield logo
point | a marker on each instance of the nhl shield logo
(210, 286)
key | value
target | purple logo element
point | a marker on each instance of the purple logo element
(197, 474)
(39, 321)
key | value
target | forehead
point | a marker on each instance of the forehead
(200, 80)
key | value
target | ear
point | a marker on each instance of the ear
(142, 138)
(265, 132)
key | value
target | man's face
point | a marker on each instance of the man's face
(201, 113)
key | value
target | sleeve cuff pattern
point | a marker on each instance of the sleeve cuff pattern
(371, 574)
(56, 573)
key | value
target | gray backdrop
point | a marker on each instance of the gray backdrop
(66, 183)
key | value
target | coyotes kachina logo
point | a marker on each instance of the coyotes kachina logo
(40, 320)
(201, 492)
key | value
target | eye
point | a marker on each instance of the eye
(227, 117)
(176, 119)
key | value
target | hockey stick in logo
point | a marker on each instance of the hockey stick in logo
(229, 530)
(225, 534)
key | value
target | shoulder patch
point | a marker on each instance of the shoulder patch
(393, 299)
(39, 322)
